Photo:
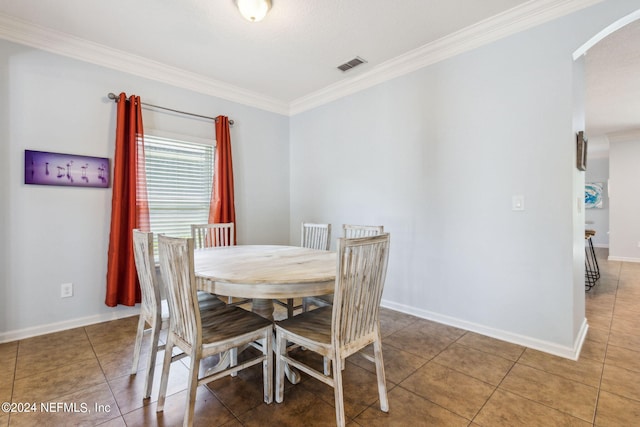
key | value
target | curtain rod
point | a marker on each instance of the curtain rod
(113, 96)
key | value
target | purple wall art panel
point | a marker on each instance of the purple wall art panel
(44, 168)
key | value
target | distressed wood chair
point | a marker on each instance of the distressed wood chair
(198, 335)
(315, 236)
(213, 236)
(347, 327)
(348, 232)
(154, 311)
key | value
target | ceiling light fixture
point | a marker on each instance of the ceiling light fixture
(253, 10)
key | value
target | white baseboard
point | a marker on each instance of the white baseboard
(579, 342)
(545, 346)
(33, 331)
(572, 353)
(622, 258)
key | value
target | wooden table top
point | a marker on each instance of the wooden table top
(265, 271)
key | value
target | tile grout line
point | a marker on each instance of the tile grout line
(13, 380)
(606, 348)
(498, 386)
(105, 378)
(422, 366)
(610, 292)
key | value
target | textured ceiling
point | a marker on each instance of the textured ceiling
(613, 83)
(294, 52)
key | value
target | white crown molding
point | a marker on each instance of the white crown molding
(29, 34)
(520, 18)
(517, 19)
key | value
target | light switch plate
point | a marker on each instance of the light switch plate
(66, 290)
(517, 203)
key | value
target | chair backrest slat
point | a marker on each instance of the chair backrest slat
(145, 266)
(353, 231)
(176, 265)
(316, 236)
(213, 235)
(362, 268)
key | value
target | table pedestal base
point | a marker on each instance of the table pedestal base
(263, 307)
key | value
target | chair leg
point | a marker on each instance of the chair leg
(151, 361)
(138, 345)
(164, 379)
(192, 389)
(289, 308)
(337, 389)
(267, 367)
(233, 355)
(281, 350)
(382, 385)
(327, 365)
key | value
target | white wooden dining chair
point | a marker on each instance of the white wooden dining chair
(348, 231)
(315, 236)
(344, 329)
(198, 335)
(154, 311)
(213, 236)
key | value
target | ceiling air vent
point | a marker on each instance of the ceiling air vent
(351, 64)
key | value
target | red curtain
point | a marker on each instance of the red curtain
(129, 204)
(222, 207)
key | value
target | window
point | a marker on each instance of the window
(179, 180)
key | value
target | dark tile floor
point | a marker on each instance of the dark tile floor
(436, 375)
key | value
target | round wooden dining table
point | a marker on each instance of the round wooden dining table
(264, 273)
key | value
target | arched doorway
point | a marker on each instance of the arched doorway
(612, 64)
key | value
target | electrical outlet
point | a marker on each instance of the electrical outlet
(66, 290)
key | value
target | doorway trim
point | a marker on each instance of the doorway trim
(604, 33)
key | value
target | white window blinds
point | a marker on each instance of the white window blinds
(179, 179)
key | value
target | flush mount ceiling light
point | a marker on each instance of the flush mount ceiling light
(253, 10)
